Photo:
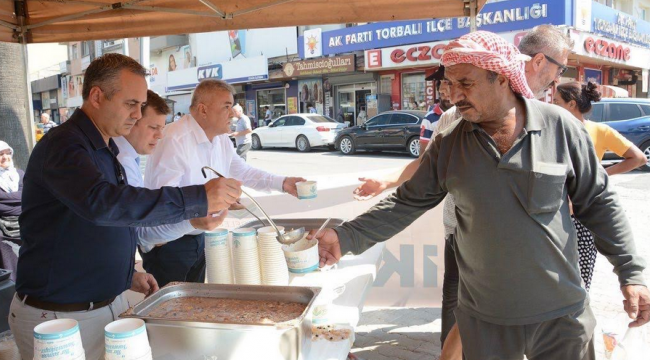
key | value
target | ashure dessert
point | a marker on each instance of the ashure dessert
(207, 309)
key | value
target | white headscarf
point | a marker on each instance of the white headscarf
(9, 177)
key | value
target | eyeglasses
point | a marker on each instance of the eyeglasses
(561, 68)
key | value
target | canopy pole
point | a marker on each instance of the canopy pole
(473, 6)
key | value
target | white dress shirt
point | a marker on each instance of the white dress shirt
(148, 237)
(185, 149)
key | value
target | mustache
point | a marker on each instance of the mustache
(463, 104)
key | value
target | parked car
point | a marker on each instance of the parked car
(300, 131)
(630, 117)
(391, 130)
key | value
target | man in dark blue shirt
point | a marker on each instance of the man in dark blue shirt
(79, 212)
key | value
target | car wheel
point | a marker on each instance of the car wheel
(346, 145)
(646, 151)
(413, 147)
(256, 143)
(302, 144)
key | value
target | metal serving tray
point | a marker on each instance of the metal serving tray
(197, 340)
(308, 224)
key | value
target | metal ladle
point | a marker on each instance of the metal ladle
(268, 218)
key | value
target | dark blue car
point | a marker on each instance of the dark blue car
(630, 117)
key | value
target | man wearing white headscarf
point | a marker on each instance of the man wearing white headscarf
(11, 184)
(511, 165)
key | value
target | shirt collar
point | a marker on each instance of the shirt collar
(126, 149)
(197, 130)
(534, 120)
(92, 133)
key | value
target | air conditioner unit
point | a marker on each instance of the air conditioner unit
(110, 43)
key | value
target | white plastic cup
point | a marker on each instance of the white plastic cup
(58, 339)
(302, 256)
(217, 257)
(126, 339)
(307, 190)
(245, 238)
(323, 304)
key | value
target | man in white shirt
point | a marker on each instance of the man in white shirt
(142, 140)
(242, 134)
(197, 140)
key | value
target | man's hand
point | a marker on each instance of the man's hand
(222, 193)
(637, 304)
(289, 185)
(369, 189)
(329, 248)
(209, 222)
(144, 283)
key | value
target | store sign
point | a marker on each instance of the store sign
(495, 17)
(617, 25)
(404, 56)
(233, 72)
(607, 49)
(313, 43)
(601, 48)
(333, 65)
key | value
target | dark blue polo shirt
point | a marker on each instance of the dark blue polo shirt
(79, 213)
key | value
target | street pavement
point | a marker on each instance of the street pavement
(413, 333)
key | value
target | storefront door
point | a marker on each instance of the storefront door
(274, 99)
(351, 100)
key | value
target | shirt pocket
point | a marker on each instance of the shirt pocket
(545, 188)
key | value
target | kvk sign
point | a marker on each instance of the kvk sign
(209, 72)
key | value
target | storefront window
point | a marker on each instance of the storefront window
(386, 86)
(276, 101)
(413, 92)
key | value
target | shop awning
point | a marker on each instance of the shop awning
(73, 20)
(609, 91)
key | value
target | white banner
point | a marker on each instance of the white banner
(601, 48)
(582, 14)
(426, 54)
(313, 43)
(237, 71)
(416, 55)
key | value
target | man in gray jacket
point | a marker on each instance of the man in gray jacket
(511, 164)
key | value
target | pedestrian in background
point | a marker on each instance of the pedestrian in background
(11, 191)
(47, 123)
(243, 131)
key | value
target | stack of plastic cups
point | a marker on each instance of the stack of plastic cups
(217, 257)
(58, 339)
(245, 256)
(126, 339)
(272, 262)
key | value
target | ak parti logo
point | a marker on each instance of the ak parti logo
(311, 43)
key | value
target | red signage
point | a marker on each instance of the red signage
(607, 49)
(374, 58)
(417, 53)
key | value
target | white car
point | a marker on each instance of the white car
(302, 131)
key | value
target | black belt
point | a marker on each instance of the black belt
(44, 305)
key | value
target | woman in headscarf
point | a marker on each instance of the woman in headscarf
(11, 190)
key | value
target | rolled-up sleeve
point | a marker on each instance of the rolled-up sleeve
(597, 206)
(75, 180)
(393, 214)
(254, 178)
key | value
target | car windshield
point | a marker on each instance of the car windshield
(320, 119)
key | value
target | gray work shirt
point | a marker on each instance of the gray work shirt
(516, 244)
(243, 123)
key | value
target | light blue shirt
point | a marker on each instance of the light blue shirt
(148, 237)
